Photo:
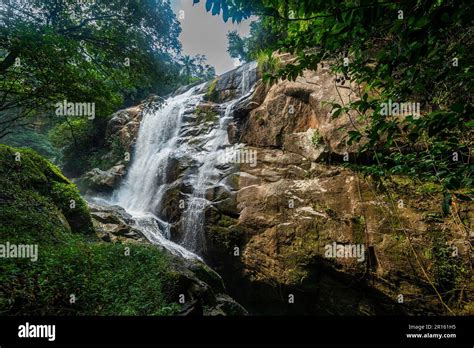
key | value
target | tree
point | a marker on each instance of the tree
(415, 51)
(237, 47)
(187, 63)
(263, 35)
(195, 68)
(88, 51)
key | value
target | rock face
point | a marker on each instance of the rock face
(121, 133)
(114, 224)
(291, 209)
(295, 231)
(272, 236)
(125, 124)
(290, 109)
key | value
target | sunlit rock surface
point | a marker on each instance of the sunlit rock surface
(265, 226)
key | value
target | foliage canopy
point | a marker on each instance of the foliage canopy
(414, 51)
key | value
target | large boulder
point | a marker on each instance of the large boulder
(124, 125)
(121, 134)
(103, 181)
(292, 108)
(114, 224)
(37, 201)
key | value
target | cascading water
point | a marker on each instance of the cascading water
(207, 176)
(175, 133)
(157, 139)
(141, 192)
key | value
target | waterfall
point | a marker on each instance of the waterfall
(157, 139)
(175, 133)
(141, 192)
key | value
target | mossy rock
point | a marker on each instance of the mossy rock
(223, 231)
(208, 276)
(204, 116)
(226, 237)
(37, 197)
(28, 217)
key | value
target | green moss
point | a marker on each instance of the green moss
(317, 206)
(28, 217)
(259, 119)
(429, 187)
(212, 93)
(39, 205)
(402, 181)
(206, 115)
(74, 208)
(399, 237)
(225, 232)
(358, 229)
(35, 186)
(226, 221)
(208, 276)
(26, 168)
(316, 138)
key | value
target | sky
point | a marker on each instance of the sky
(205, 34)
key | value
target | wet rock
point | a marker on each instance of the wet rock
(102, 181)
(203, 289)
(232, 84)
(184, 89)
(172, 204)
(114, 224)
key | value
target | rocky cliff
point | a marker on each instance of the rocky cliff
(297, 231)
(299, 199)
